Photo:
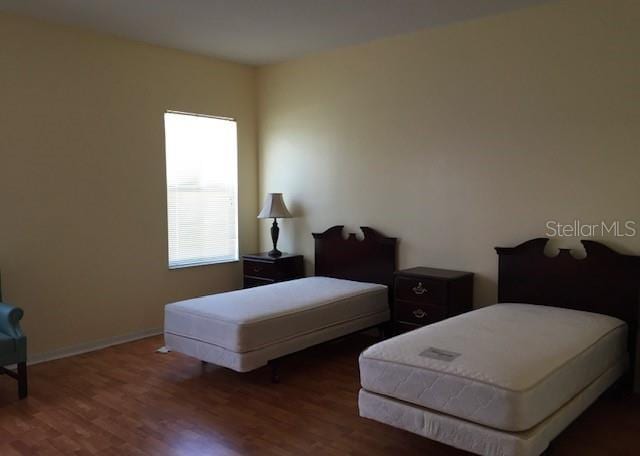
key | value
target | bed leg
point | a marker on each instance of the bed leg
(549, 450)
(275, 370)
(384, 330)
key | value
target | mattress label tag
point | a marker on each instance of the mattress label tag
(439, 354)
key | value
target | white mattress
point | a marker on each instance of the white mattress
(517, 363)
(252, 319)
(480, 439)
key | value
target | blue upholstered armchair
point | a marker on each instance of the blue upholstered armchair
(13, 346)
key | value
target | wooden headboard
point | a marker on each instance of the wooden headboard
(372, 259)
(605, 281)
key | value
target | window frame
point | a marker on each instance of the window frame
(196, 264)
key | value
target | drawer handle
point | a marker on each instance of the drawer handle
(419, 313)
(257, 269)
(419, 289)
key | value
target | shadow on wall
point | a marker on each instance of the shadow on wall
(294, 236)
(485, 290)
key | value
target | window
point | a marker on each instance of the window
(202, 189)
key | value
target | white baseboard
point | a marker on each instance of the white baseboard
(92, 346)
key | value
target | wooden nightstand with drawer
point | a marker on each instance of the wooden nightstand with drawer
(262, 269)
(426, 295)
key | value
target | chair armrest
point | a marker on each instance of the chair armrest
(10, 320)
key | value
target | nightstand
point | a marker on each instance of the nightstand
(261, 269)
(426, 295)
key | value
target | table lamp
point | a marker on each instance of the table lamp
(274, 208)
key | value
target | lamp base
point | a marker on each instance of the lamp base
(275, 232)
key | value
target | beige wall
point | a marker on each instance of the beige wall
(461, 138)
(455, 140)
(83, 235)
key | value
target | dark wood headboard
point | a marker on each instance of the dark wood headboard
(605, 281)
(372, 259)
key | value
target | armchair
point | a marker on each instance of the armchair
(13, 346)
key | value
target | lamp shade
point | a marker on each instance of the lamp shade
(274, 207)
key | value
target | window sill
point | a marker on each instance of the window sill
(204, 263)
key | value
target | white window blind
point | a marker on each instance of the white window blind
(202, 189)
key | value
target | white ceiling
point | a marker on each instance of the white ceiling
(259, 31)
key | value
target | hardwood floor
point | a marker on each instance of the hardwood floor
(129, 400)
